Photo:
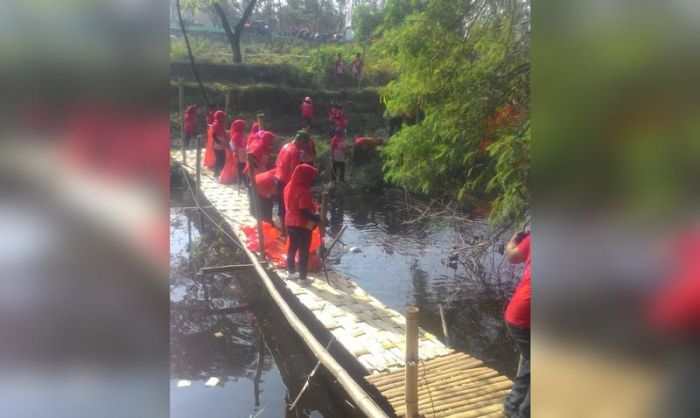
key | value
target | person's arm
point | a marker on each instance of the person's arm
(513, 252)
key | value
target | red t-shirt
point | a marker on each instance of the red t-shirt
(518, 310)
(287, 160)
(190, 121)
(297, 196)
(338, 148)
(307, 110)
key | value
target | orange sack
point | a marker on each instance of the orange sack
(229, 173)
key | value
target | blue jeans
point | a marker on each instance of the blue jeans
(518, 400)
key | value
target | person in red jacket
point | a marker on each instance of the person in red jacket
(517, 403)
(287, 160)
(260, 147)
(190, 122)
(238, 146)
(337, 118)
(265, 183)
(300, 218)
(308, 150)
(338, 154)
(307, 112)
(210, 114)
(219, 141)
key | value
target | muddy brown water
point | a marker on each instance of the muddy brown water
(225, 325)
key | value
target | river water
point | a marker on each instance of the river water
(224, 326)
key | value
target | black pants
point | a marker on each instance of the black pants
(339, 170)
(279, 186)
(299, 240)
(265, 208)
(220, 161)
(188, 138)
(241, 176)
(518, 400)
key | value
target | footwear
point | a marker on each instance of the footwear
(305, 280)
(292, 276)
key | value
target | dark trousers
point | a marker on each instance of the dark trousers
(265, 208)
(188, 138)
(241, 176)
(299, 240)
(518, 400)
(339, 170)
(220, 161)
(279, 186)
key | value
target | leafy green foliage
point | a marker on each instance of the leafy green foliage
(464, 71)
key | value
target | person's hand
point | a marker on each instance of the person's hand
(519, 236)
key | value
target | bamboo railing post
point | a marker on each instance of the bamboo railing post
(228, 98)
(198, 169)
(261, 121)
(411, 387)
(256, 204)
(322, 226)
(182, 121)
(444, 324)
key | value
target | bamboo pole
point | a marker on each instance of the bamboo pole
(411, 387)
(182, 120)
(261, 121)
(256, 204)
(220, 269)
(444, 324)
(322, 226)
(198, 169)
(228, 98)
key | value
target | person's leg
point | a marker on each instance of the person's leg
(304, 242)
(341, 168)
(241, 176)
(517, 402)
(293, 247)
(266, 209)
(279, 186)
(334, 170)
(220, 161)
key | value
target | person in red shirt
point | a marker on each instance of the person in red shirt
(358, 64)
(338, 70)
(260, 147)
(307, 112)
(308, 150)
(338, 153)
(219, 141)
(337, 117)
(265, 183)
(190, 122)
(300, 218)
(287, 160)
(517, 315)
(238, 146)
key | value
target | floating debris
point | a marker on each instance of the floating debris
(184, 383)
(355, 250)
(218, 334)
(212, 381)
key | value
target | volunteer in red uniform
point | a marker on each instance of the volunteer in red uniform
(190, 120)
(300, 219)
(238, 146)
(219, 142)
(265, 183)
(287, 160)
(307, 112)
(260, 147)
(517, 403)
(337, 118)
(308, 150)
(338, 154)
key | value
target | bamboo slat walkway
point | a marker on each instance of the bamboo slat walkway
(372, 332)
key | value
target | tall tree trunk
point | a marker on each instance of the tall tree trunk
(189, 53)
(234, 36)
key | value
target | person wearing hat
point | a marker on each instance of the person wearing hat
(287, 160)
(307, 112)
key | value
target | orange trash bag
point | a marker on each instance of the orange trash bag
(271, 236)
(209, 156)
(230, 172)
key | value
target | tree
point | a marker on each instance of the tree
(234, 37)
(464, 67)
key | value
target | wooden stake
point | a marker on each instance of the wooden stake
(411, 388)
(261, 121)
(220, 269)
(256, 204)
(182, 120)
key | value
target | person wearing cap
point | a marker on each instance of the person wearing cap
(307, 112)
(288, 158)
